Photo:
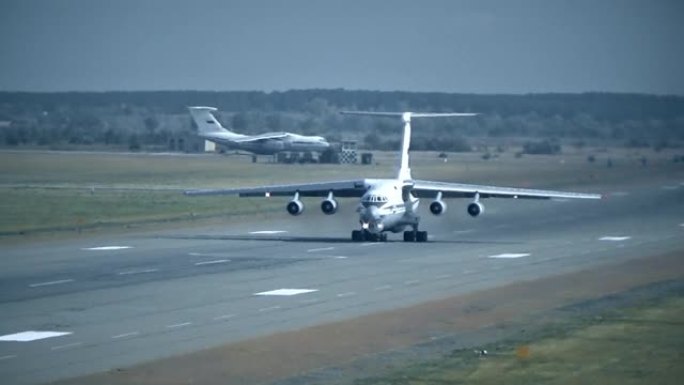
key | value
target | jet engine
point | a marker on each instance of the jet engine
(295, 207)
(475, 209)
(329, 206)
(438, 207)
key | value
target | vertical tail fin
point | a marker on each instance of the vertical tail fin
(205, 120)
(404, 172)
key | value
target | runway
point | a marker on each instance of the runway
(127, 299)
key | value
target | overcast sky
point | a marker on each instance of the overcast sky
(477, 46)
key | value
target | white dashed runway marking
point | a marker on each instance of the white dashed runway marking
(50, 283)
(343, 257)
(611, 238)
(32, 335)
(212, 262)
(132, 272)
(124, 335)
(67, 346)
(286, 292)
(509, 255)
(224, 317)
(320, 249)
(268, 232)
(383, 287)
(107, 248)
(180, 325)
(270, 308)
(347, 294)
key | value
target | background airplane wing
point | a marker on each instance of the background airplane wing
(255, 138)
(345, 189)
(428, 189)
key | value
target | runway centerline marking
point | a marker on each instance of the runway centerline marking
(67, 346)
(509, 255)
(612, 238)
(224, 317)
(369, 244)
(180, 325)
(383, 287)
(347, 294)
(343, 257)
(124, 335)
(212, 262)
(132, 272)
(107, 248)
(411, 282)
(50, 283)
(320, 249)
(286, 292)
(8, 357)
(32, 335)
(268, 232)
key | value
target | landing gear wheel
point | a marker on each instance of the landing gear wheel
(409, 236)
(383, 237)
(357, 236)
(421, 236)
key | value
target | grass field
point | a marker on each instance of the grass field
(50, 191)
(641, 345)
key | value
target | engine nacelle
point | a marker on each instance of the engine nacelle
(295, 207)
(329, 206)
(438, 207)
(475, 209)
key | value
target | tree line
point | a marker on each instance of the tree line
(149, 119)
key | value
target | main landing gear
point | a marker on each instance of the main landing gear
(415, 236)
(367, 236)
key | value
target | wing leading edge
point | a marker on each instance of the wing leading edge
(344, 189)
(426, 189)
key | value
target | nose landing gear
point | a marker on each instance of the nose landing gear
(367, 236)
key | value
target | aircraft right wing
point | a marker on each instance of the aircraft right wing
(424, 188)
(345, 189)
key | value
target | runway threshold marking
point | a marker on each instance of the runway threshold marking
(51, 283)
(106, 248)
(612, 238)
(286, 292)
(32, 335)
(509, 255)
(268, 232)
(320, 249)
(212, 262)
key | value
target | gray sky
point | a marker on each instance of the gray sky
(478, 46)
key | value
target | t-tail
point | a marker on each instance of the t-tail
(207, 123)
(404, 172)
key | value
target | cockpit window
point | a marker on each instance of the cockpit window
(374, 199)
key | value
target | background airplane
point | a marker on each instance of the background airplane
(391, 204)
(264, 144)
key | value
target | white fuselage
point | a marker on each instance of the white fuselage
(289, 142)
(386, 207)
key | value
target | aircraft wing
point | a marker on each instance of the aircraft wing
(429, 189)
(345, 189)
(256, 138)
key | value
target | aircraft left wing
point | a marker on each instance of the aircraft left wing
(345, 189)
(428, 189)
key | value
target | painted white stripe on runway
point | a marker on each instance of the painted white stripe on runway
(614, 238)
(131, 272)
(411, 282)
(107, 248)
(67, 346)
(320, 249)
(50, 283)
(509, 255)
(668, 187)
(347, 294)
(369, 244)
(463, 231)
(224, 317)
(383, 287)
(180, 325)
(212, 262)
(131, 334)
(9, 357)
(286, 292)
(270, 308)
(343, 257)
(268, 232)
(32, 335)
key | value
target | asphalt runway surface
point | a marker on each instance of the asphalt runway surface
(115, 301)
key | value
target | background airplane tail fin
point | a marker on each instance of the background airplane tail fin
(205, 120)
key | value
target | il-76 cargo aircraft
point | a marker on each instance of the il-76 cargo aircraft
(390, 205)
